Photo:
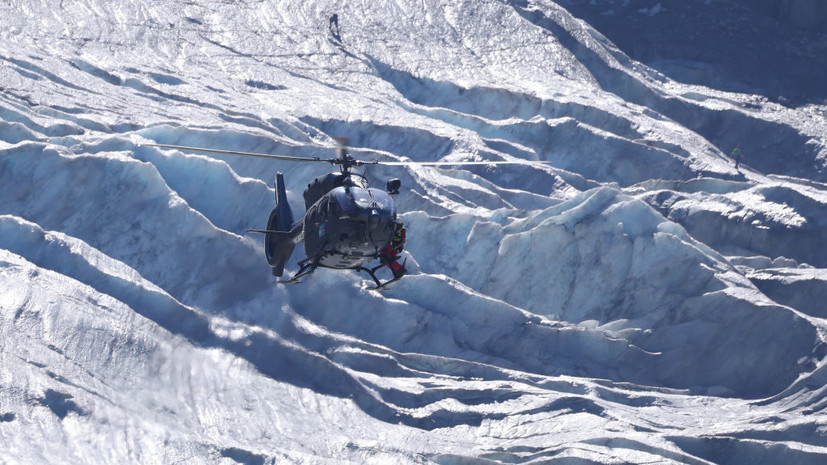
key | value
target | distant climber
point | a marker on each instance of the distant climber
(390, 254)
(334, 28)
(736, 155)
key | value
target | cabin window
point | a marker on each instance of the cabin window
(332, 209)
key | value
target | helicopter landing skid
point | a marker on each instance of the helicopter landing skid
(305, 268)
(379, 284)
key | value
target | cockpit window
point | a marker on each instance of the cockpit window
(382, 199)
(345, 200)
(360, 197)
(356, 201)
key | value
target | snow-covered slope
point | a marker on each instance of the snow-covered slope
(637, 300)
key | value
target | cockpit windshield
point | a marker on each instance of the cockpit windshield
(360, 197)
(357, 201)
(382, 200)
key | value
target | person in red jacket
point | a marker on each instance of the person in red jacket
(390, 254)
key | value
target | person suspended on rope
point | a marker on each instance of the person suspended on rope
(390, 254)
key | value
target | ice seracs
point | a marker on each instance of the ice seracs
(635, 300)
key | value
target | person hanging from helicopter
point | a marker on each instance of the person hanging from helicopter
(389, 256)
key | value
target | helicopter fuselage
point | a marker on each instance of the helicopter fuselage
(348, 225)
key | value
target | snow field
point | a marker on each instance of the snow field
(637, 300)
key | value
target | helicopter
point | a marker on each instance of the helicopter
(346, 224)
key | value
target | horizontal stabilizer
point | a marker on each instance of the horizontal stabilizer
(268, 231)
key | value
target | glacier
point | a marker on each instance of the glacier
(636, 300)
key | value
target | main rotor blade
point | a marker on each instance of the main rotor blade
(335, 161)
(455, 163)
(233, 152)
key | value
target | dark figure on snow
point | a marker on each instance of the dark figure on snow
(736, 155)
(390, 254)
(334, 28)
